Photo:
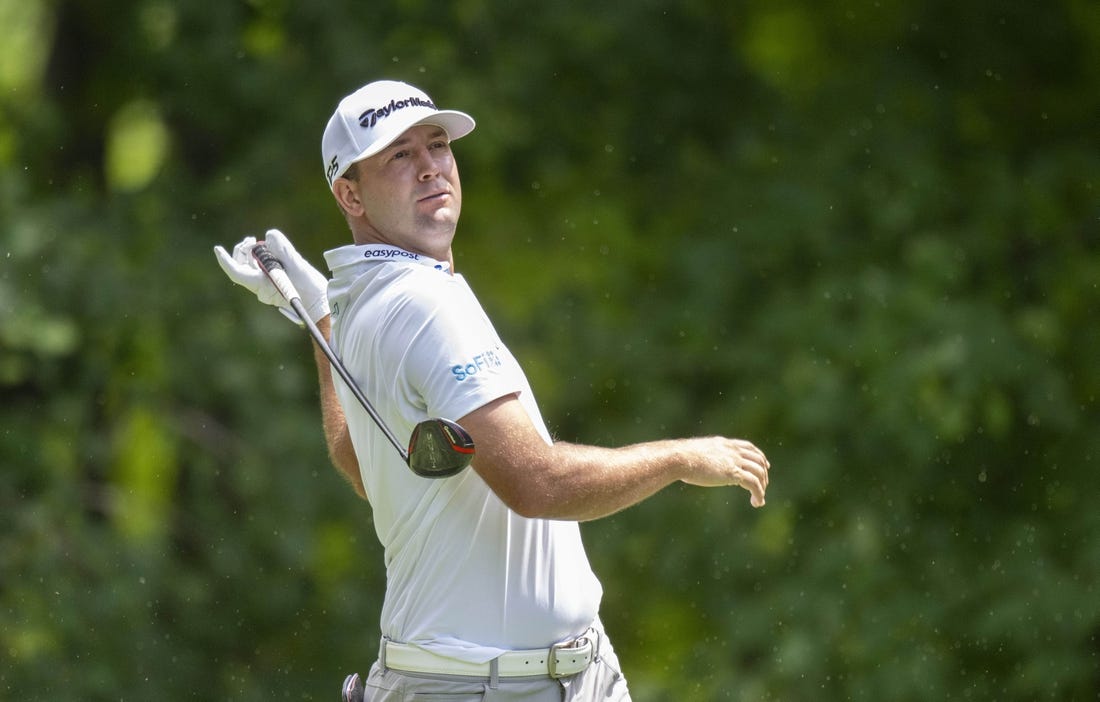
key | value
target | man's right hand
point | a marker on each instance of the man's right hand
(243, 270)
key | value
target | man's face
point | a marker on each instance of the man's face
(410, 193)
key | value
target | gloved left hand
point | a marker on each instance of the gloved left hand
(243, 270)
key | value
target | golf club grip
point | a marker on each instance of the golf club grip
(273, 269)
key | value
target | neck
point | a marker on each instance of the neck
(363, 233)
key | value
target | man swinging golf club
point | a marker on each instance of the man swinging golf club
(489, 592)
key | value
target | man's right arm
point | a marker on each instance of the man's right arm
(242, 269)
(337, 436)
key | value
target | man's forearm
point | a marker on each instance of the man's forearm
(588, 482)
(580, 483)
(576, 482)
(337, 436)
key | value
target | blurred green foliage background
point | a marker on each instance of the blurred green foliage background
(863, 234)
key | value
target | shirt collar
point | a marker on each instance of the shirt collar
(379, 253)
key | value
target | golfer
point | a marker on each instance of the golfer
(489, 593)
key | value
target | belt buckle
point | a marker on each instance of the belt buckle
(552, 662)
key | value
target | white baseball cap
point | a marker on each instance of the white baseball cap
(371, 118)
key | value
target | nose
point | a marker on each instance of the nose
(427, 168)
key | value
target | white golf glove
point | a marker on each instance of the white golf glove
(243, 269)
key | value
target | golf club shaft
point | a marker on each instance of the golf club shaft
(273, 268)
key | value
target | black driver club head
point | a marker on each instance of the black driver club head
(439, 448)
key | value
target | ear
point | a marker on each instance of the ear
(346, 193)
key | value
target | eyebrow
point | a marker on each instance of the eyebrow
(403, 140)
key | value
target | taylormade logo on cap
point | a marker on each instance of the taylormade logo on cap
(371, 118)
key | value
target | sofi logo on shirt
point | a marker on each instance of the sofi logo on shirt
(480, 363)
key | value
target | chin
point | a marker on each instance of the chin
(440, 223)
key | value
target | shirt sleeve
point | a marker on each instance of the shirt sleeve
(455, 362)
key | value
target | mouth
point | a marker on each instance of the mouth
(434, 197)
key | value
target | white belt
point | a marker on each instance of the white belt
(558, 661)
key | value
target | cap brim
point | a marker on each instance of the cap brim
(456, 124)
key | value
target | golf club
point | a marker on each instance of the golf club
(438, 448)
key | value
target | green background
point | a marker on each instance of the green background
(862, 234)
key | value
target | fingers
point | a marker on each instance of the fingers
(311, 284)
(716, 461)
(239, 272)
(243, 270)
(242, 252)
(278, 242)
(751, 471)
(750, 449)
(279, 245)
(756, 489)
(224, 259)
(754, 478)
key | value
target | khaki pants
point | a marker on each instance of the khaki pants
(602, 680)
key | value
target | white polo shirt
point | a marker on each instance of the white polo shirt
(465, 575)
